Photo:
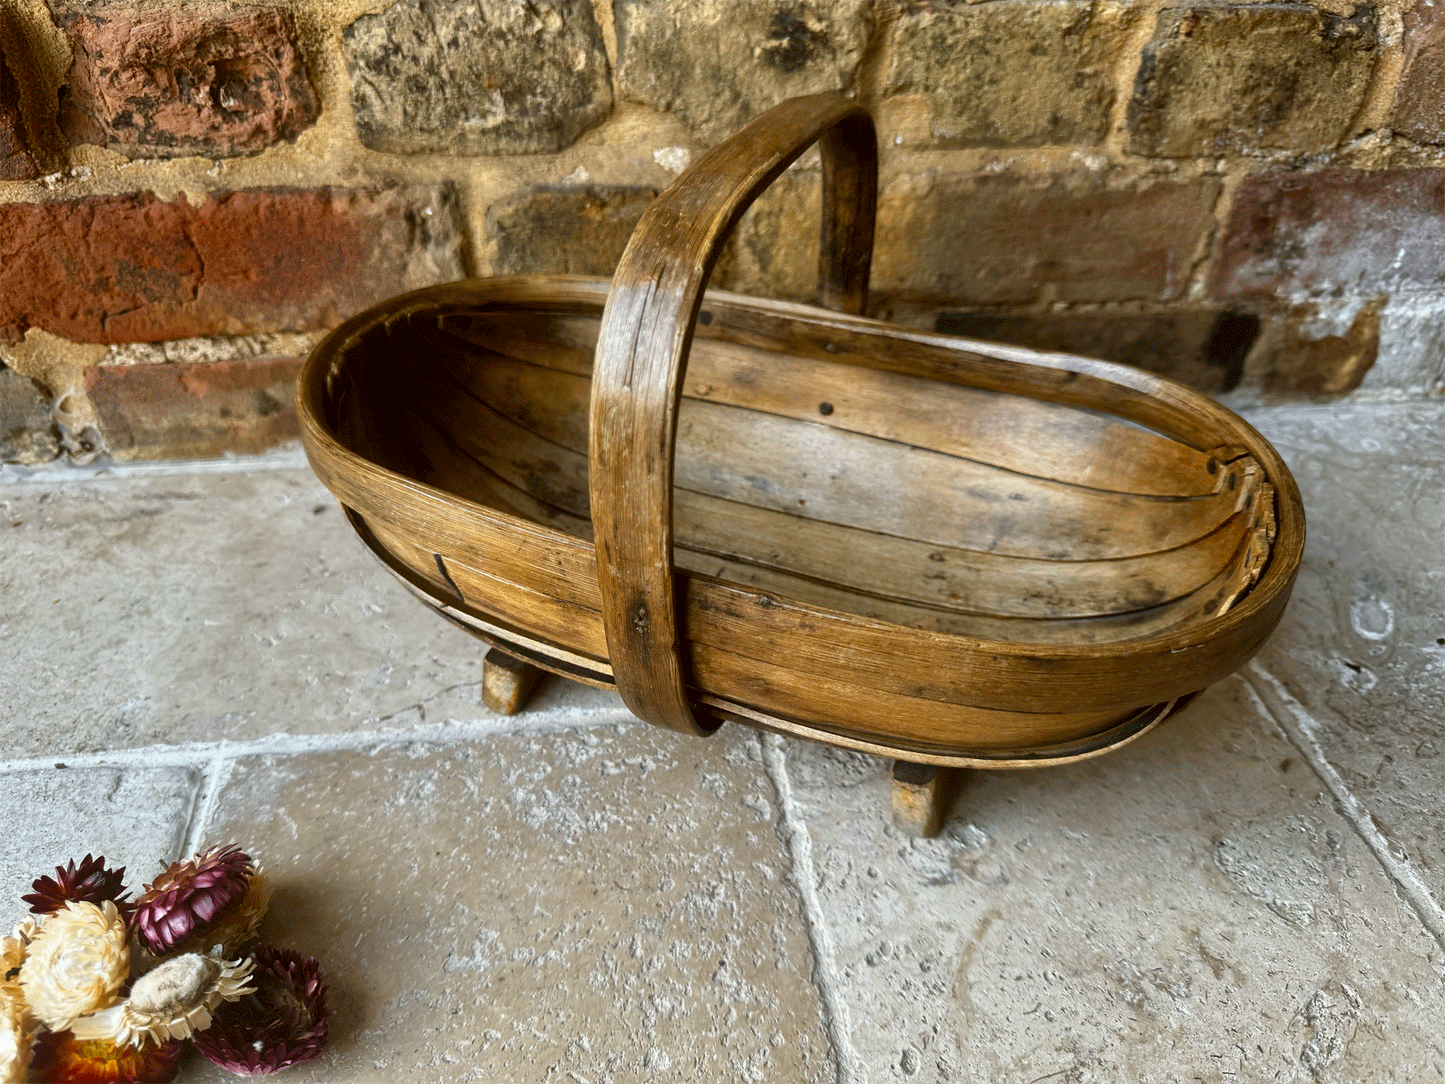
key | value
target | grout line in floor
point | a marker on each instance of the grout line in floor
(108, 470)
(203, 755)
(1299, 727)
(213, 778)
(825, 972)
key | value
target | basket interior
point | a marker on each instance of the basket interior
(933, 505)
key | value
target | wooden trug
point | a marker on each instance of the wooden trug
(929, 548)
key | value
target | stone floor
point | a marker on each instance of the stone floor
(1253, 892)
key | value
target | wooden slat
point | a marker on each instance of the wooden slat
(1023, 676)
(1029, 675)
(834, 701)
(815, 472)
(568, 572)
(875, 654)
(577, 628)
(1033, 755)
(1047, 440)
(1099, 630)
(949, 578)
(880, 564)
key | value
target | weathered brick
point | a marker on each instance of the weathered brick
(171, 83)
(1250, 77)
(1418, 112)
(195, 411)
(1411, 359)
(26, 432)
(16, 163)
(576, 231)
(477, 76)
(1202, 346)
(1015, 73)
(989, 239)
(717, 63)
(774, 250)
(1337, 231)
(1324, 353)
(138, 269)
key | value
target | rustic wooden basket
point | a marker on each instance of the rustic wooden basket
(942, 550)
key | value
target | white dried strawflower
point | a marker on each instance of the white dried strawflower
(76, 963)
(171, 1002)
(14, 1037)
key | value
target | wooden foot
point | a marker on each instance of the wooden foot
(507, 683)
(922, 795)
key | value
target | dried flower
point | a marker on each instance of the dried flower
(215, 898)
(61, 1058)
(280, 1025)
(14, 947)
(89, 882)
(170, 1002)
(76, 963)
(13, 950)
(14, 1036)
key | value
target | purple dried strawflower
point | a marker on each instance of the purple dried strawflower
(88, 882)
(213, 898)
(280, 1025)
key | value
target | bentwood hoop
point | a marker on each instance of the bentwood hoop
(642, 355)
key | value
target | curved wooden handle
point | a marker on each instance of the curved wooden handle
(642, 352)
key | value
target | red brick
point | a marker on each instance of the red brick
(170, 84)
(135, 268)
(195, 411)
(1419, 109)
(1335, 231)
(1002, 238)
(16, 164)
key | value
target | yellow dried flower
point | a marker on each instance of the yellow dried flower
(14, 948)
(14, 1037)
(171, 1002)
(76, 963)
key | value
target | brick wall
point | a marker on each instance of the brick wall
(1244, 193)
